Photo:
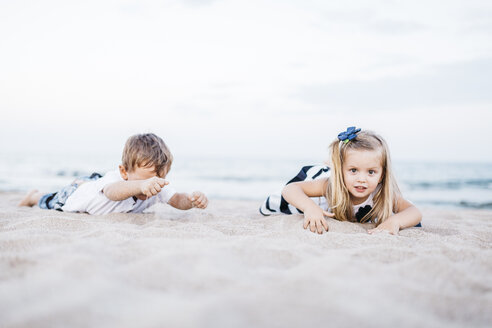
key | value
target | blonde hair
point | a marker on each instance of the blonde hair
(146, 150)
(337, 194)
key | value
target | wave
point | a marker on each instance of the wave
(458, 204)
(451, 184)
(232, 178)
(68, 173)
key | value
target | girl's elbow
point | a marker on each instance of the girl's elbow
(417, 214)
(286, 190)
(420, 216)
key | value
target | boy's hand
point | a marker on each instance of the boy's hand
(390, 225)
(198, 199)
(313, 217)
(151, 187)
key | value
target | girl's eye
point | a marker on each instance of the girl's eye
(371, 172)
(353, 170)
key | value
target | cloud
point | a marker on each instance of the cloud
(241, 77)
(395, 27)
(459, 83)
(369, 19)
(199, 2)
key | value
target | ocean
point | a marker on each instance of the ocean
(448, 185)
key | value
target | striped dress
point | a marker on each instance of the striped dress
(276, 204)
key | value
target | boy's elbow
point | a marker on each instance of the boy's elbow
(106, 193)
(109, 194)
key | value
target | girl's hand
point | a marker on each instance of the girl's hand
(313, 217)
(198, 199)
(390, 225)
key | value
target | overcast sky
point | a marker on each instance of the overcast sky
(247, 78)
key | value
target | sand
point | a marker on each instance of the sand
(228, 266)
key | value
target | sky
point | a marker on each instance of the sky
(258, 78)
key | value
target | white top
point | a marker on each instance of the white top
(355, 208)
(89, 198)
(322, 172)
(368, 201)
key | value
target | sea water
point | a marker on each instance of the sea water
(451, 185)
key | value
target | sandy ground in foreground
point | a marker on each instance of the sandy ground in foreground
(228, 266)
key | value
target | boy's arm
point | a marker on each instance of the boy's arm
(407, 215)
(122, 190)
(183, 201)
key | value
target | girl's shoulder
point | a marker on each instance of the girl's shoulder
(311, 172)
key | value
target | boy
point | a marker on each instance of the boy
(138, 185)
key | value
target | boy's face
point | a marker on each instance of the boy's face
(141, 173)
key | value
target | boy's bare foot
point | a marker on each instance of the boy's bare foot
(31, 199)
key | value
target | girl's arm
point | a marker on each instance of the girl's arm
(407, 215)
(298, 193)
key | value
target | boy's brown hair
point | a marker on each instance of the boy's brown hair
(146, 150)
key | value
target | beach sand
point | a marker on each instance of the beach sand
(228, 266)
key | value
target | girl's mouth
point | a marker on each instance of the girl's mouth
(360, 189)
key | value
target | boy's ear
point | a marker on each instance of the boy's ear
(123, 173)
(166, 170)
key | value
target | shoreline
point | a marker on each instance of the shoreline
(230, 266)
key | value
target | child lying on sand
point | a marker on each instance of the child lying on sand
(138, 184)
(359, 187)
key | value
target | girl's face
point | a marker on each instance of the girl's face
(362, 172)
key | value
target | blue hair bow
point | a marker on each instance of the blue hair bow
(348, 135)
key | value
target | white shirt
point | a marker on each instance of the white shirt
(89, 198)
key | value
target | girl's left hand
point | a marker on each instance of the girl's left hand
(390, 225)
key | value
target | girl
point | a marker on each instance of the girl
(360, 188)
